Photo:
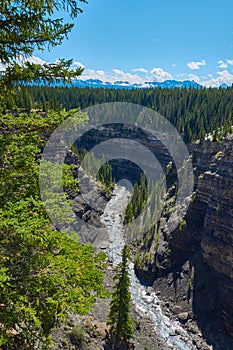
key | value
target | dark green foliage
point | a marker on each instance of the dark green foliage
(134, 208)
(26, 25)
(105, 177)
(77, 335)
(121, 330)
(97, 168)
(194, 112)
(43, 272)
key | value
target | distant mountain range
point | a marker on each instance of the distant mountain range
(96, 83)
(171, 84)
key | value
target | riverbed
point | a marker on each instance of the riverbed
(146, 302)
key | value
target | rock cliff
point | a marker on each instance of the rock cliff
(215, 192)
(193, 267)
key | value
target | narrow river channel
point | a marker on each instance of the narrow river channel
(147, 303)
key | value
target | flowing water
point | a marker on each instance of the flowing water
(148, 304)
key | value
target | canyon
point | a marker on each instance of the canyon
(190, 269)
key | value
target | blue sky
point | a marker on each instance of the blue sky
(152, 40)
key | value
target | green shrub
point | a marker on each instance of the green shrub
(77, 335)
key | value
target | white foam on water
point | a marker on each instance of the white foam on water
(174, 335)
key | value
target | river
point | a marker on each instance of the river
(147, 303)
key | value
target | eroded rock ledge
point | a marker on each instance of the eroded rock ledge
(193, 268)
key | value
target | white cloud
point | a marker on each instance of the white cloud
(113, 76)
(160, 75)
(191, 77)
(222, 64)
(156, 74)
(140, 70)
(194, 77)
(183, 76)
(225, 63)
(22, 60)
(100, 72)
(118, 71)
(94, 74)
(33, 59)
(223, 77)
(124, 76)
(36, 60)
(78, 64)
(173, 65)
(196, 65)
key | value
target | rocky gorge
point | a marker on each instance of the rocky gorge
(196, 276)
(189, 270)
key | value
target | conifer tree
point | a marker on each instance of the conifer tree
(26, 25)
(121, 330)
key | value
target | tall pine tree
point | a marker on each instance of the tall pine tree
(121, 331)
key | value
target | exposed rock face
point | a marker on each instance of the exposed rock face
(197, 258)
(88, 223)
(215, 190)
(89, 209)
(205, 285)
(123, 169)
(210, 216)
